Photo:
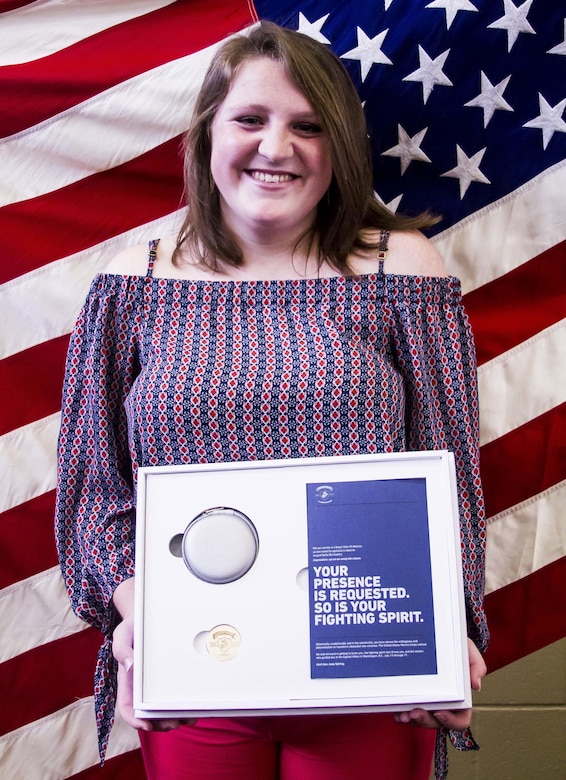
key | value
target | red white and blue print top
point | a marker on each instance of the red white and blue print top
(168, 371)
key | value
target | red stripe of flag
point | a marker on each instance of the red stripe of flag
(31, 382)
(99, 207)
(27, 541)
(524, 462)
(35, 91)
(528, 615)
(516, 306)
(29, 683)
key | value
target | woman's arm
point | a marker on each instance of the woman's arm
(434, 349)
(95, 513)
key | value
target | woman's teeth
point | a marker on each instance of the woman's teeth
(271, 178)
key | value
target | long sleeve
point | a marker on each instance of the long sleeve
(435, 352)
(94, 521)
(434, 349)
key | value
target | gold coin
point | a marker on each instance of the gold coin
(223, 642)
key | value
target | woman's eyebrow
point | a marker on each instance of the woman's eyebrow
(260, 108)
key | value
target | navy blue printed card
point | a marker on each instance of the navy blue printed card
(370, 583)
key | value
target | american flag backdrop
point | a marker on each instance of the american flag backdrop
(466, 104)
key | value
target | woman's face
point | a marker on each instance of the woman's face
(270, 156)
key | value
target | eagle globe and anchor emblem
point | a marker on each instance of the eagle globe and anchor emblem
(324, 494)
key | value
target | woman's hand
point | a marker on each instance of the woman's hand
(123, 650)
(455, 720)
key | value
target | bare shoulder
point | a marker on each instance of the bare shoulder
(134, 260)
(412, 253)
(409, 253)
(131, 261)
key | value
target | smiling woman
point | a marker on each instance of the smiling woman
(348, 218)
(293, 316)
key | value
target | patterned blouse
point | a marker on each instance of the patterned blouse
(168, 371)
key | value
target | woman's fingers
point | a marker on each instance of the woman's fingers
(125, 698)
(123, 650)
(478, 669)
(455, 720)
(123, 642)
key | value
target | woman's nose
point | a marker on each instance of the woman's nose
(275, 143)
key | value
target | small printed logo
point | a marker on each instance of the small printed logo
(324, 494)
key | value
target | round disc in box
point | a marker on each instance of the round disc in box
(220, 545)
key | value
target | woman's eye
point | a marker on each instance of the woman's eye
(249, 120)
(309, 128)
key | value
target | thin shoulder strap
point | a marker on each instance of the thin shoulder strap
(382, 249)
(152, 255)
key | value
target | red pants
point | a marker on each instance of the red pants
(292, 747)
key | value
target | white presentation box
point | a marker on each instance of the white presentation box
(299, 586)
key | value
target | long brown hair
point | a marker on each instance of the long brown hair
(347, 211)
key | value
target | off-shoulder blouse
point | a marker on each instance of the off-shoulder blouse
(168, 371)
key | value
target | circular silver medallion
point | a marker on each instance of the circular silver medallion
(220, 545)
